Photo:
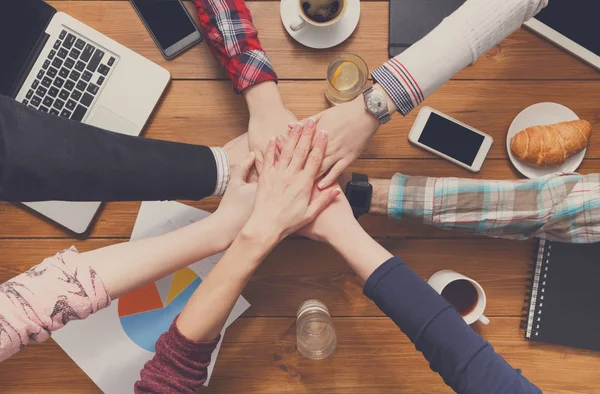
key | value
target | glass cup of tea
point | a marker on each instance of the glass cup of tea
(347, 76)
(315, 334)
(463, 293)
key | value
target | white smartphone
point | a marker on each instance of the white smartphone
(448, 138)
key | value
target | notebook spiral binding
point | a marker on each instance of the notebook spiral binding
(533, 302)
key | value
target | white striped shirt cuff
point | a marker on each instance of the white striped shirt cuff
(223, 172)
(396, 80)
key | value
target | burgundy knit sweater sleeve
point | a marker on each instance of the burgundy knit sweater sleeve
(179, 365)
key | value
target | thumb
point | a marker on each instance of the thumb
(333, 175)
(323, 200)
(242, 169)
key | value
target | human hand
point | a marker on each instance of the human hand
(237, 204)
(332, 221)
(283, 199)
(350, 128)
(262, 127)
(237, 150)
(268, 116)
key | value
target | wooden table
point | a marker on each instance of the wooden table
(259, 354)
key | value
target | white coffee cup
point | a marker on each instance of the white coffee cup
(302, 20)
(441, 279)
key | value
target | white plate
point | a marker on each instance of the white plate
(320, 37)
(542, 114)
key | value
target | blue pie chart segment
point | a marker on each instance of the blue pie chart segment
(146, 327)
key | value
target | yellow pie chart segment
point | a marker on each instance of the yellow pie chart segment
(182, 279)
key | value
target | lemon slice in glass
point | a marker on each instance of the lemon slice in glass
(345, 77)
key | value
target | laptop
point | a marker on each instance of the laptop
(56, 64)
(572, 25)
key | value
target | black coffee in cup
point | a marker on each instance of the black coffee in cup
(462, 295)
(322, 11)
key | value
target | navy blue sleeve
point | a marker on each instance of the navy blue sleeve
(463, 359)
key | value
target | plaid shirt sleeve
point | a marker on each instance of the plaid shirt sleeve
(559, 207)
(233, 40)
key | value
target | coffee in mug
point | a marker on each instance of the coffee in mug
(463, 293)
(318, 13)
(322, 11)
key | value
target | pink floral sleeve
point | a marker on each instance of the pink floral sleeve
(45, 298)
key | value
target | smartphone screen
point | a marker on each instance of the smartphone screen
(451, 139)
(167, 19)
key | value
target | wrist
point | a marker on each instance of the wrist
(379, 197)
(344, 228)
(258, 232)
(367, 121)
(226, 228)
(262, 97)
(343, 233)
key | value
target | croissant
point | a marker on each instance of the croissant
(550, 146)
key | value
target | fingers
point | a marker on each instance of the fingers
(258, 161)
(322, 201)
(316, 156)
(327, 163)
(303, 148)
(281, 140)
(287, 153)
(333, 174)
(316, 118)
(269, 160)
(241, 170)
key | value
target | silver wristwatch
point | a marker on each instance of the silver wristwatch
(376, 104)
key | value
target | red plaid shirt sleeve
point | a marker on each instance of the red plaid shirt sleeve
(233, 39)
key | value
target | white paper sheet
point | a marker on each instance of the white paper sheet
(99, 344)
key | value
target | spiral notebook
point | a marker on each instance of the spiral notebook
(562, 301)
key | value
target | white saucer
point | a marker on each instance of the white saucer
(321, 37)
(542, 114)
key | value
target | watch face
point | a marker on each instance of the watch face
(376, 102)
(359, 197)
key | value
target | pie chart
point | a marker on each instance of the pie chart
(148, 312)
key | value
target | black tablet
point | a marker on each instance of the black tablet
(411, 20)
(576, 20)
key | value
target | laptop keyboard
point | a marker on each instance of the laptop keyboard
(70, 78)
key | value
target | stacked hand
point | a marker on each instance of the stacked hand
(350, 129)
(237, 203)
(286, 199)
(268, 116)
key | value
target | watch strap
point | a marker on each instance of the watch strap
(359, 178)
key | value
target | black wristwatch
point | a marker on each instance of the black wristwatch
(359, 192)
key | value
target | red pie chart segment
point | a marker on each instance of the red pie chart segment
(141, 300)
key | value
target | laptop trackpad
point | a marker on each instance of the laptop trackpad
(106, 119)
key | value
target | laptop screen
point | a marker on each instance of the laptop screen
(21, 24)
(575, 19)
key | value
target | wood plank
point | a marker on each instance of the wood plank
(186, 115)
(522, 56)
(372, 356)
(300, 269)
(117, 219)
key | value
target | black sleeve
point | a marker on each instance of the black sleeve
(45, 157)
